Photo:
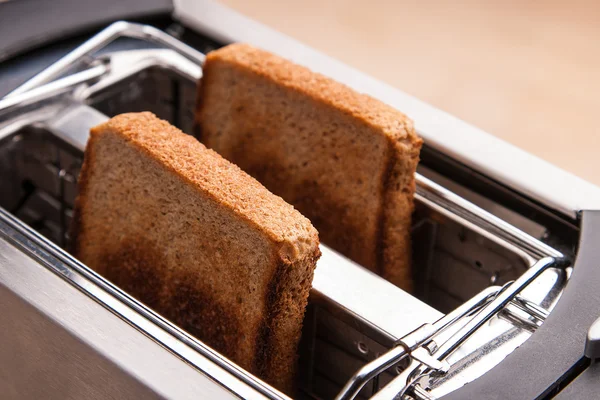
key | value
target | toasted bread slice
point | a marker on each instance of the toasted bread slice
(344, 159)
(198, 240)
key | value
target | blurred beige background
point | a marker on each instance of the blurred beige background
(526, 71)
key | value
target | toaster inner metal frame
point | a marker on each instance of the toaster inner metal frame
(60, 106)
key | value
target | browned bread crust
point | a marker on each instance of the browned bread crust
(344, 159)
(198, 240)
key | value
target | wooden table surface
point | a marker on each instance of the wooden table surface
(526, 71)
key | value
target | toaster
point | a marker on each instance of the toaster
(504, 244)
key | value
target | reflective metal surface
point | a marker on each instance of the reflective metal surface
(417, 371)
(117, 30)
(477, 219)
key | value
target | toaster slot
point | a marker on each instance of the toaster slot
(39, 180)
(455, 263)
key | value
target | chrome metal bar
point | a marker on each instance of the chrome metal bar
(531, 308)
(465, 212)
(399, 384)
(112, 32)
(411, 341)
(493, 307)
(519, 320)
(50, 90)
(124, 64)
(370, 370)
(468, 307)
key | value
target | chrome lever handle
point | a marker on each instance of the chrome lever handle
(111, 33)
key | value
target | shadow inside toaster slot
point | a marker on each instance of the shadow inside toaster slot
(38, 181)
(332, 350)
(162, 92)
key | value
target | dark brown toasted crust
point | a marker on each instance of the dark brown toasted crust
(273, 349)
(386, 177)
(397, 209)
(138, 264)
(372, 235)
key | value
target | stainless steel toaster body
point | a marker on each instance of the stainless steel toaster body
(493, 245)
